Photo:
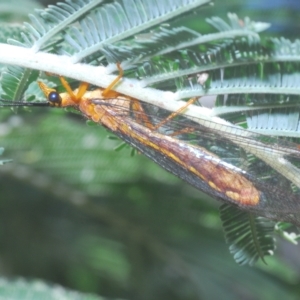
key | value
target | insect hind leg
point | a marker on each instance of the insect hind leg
(109, 90)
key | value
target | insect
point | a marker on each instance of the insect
(207, 159)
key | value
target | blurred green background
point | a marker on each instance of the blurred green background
(77, 213)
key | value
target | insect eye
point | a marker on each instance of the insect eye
(54, 99)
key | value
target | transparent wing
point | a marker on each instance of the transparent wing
(271, 164)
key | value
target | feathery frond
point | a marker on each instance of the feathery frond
(250, 237)
(236, 23)
(130, 17)
(52, 21)
(282, 121)
(9, 30)
(15, 82)
(169, 40)
(145, 46)
(227, 53)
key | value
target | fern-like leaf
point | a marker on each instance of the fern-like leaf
(15, 81)
(51, 21)
(168, 40)
(130, 18)
(145, 46)
(226, 54)
(236, 23)
(249, 236)
(9, 30)
(282, 121)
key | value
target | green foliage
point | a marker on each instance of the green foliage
(12, 11)
(254, 81)
(249, 236)
(20, 289)
(3, 161)
(15, 82)
(10, 30)
(41, 32)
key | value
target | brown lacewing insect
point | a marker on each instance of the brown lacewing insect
(202, 156)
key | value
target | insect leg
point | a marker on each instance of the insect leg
(175, 113)
(107, 92)
(81, 90)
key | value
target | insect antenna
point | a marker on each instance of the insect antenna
(9, 103)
